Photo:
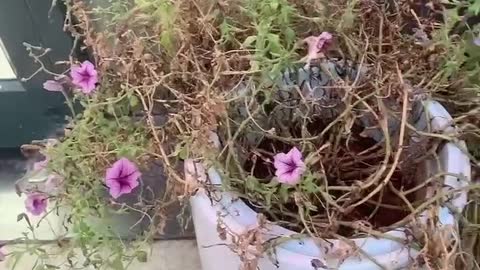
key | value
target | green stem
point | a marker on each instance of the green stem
(69, 104)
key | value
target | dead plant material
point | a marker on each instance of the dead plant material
(195, 65)
(356, 178)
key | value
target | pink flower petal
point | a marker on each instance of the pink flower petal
(88, 66)
(36, 203)
(323, 40)
(295, 155)
(53, 86)
(88, 88)
(122, 177)
(317, 45)
(289, 178)
(280, 161)
(289, 167)
(76, 74)
(85, 76)
(40, 165)
(114, 189)
(125, 189)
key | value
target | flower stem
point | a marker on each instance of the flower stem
(69, 104)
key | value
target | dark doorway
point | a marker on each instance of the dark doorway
(27, 111)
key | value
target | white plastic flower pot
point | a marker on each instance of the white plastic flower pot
(309, 253)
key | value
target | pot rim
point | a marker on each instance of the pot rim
(238, 217)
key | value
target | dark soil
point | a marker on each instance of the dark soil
(344, 168)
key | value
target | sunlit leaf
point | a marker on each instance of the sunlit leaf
(249, 41)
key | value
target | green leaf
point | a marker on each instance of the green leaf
(272, 184)
(111, 109)
(285, 15)
(21, 216)
(226, 31)
(126, 151)
(249, 41)
(181, 151)
(274, 5)
(117, 264)
(251, 183)
(141, 256)
(133, 101)
(275, 71)
(268, 198)
(283, 193)
(184, 153)
(289, 36)
(24, 216)
(274, 44)
(475, 7)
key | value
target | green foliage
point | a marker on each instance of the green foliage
(164, 13)
(112, 13)
(265, 32)
(474, 7)
(275, 195)
(461, 57)
(226, 31)
(103, 133)
(274, 37)
(461, 61)
(347, 20)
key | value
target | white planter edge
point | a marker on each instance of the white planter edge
(297, 254)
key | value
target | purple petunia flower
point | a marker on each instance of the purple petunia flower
(289, 167)
(36, 203)
(84, 76)
(122, 177)
(53, 86)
